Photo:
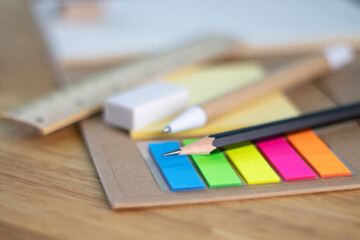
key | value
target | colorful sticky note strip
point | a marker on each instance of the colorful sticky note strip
(317, 154)
(251, 164)
(177, 170)
(285, 159)
(215, 168)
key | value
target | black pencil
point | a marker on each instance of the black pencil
(207, 144)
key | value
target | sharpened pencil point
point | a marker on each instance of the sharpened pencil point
(174, 152)
(166, 130)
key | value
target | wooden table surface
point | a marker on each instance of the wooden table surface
(49, 188)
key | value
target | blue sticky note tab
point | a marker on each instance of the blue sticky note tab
(177, 170)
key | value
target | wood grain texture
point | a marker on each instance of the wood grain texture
(49, 188)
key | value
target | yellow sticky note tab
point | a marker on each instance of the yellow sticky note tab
(251, 164)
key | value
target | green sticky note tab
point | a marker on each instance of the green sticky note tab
(215, 168)
(251, 164)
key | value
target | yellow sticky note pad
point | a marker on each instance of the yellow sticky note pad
(209, 82)
(251, 164)
(269, 108)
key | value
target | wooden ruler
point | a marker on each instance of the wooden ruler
(76, 102)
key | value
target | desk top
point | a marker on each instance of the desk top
(49, 188)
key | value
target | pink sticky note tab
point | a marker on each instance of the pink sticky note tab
(285, 159)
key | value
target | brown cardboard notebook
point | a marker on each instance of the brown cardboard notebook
(129, 183)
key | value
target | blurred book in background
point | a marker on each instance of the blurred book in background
(145, 27)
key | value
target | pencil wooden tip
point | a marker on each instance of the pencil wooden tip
(174, 152)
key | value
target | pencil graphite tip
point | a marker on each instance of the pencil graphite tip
(171, 153)
(166, 130)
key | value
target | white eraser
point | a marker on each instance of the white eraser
(145, 105)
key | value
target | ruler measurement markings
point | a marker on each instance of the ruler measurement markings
(74, 102)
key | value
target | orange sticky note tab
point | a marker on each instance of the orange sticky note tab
(317, 154)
